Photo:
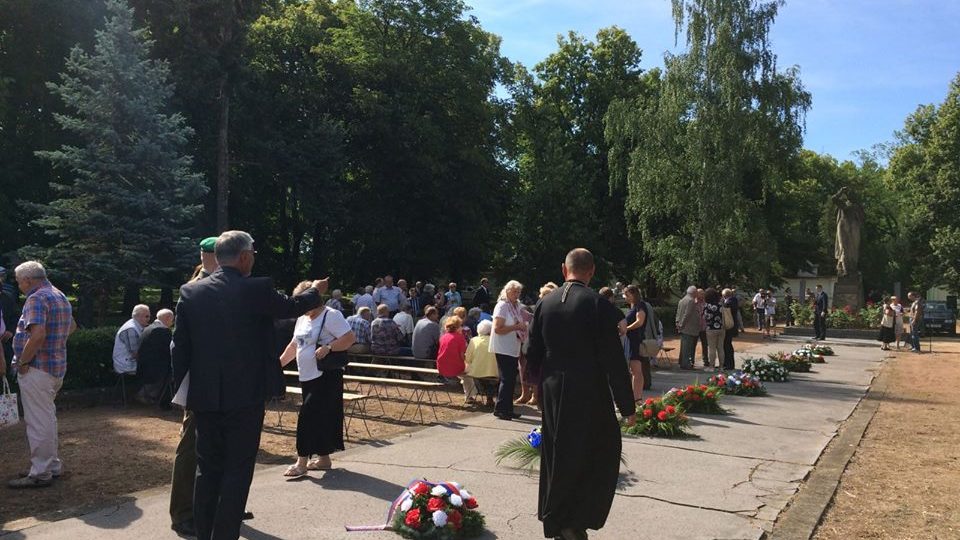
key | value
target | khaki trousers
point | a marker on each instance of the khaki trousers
(38, 390)
(715, 348)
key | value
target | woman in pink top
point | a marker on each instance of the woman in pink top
(453, 349)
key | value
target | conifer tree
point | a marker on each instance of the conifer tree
(126, 196)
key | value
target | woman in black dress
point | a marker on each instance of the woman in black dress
(887, 333)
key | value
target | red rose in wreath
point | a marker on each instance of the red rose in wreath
(471, 503)
(671, 409)
(421, 489)
(456, 519)
(709, 395)
(413, 519)
(648, 413)
(648, 402)
(662, 416)
(435, 503)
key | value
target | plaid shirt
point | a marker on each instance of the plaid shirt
(386, 337)
(48, 307)
(361, 329)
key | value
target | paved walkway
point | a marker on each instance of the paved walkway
(729, 483)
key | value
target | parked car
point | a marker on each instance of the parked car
(939, 318)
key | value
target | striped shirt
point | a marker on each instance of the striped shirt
(46, 306)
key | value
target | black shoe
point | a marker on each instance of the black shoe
(247, 516)
(573, 534)
(504, 416)
(185, 528)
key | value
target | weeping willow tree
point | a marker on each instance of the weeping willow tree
(701, 156)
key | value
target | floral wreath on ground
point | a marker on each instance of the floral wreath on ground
(810, 354)
(793, 362)
(766, 370)
(739, 383)
(822, 350)
(442, 511)
(696, 398)
(657, 418)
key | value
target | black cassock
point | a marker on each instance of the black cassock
(574, 338)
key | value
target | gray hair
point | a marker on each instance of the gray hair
(30, 270)
(363, 310)
(692, 289)
(511, 285)
(484, 328)
(164, 313)
(337, 293)
(140, 308)
(230, 244)
(368, 289)
(474, 312)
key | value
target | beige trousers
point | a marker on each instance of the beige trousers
(469, 386)
(715, 347)
(38, 389)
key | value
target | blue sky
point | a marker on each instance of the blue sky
(868, 64)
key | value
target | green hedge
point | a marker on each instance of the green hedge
(90, 358)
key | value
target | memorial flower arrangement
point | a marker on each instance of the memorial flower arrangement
(792, 362)
(739, 383)
(441, 511)
(523, 452)
(822, 350)
(657, 418)
(696, 398)
(766, 370)
(809, 355)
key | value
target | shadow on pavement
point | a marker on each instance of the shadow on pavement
(345, 480)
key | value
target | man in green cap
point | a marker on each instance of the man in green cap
(185, 464)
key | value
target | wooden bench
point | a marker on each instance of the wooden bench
(352, 403)
(392, 360)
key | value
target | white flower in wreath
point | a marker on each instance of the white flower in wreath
(456, 500)
(406, 505)
(438, 491)
(464, 494)
(440, 518)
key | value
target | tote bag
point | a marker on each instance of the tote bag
(727, 318)
(9, 414)
(652, 340)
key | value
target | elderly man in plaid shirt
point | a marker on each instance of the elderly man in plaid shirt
(40, 358)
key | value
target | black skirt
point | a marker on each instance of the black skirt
(886, 335)
(320, 422)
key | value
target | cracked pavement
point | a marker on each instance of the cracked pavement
(729, 482)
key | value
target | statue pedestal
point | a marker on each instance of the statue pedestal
(848, 291)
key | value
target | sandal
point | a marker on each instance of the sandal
(295, 471)
(320, 464)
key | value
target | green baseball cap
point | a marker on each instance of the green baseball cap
(207, 244)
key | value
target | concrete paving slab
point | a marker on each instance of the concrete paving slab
(730, 482)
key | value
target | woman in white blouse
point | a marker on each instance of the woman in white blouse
(320, 420)
(509, 332)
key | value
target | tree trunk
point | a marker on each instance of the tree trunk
(223, 158)
(166, 298)
(131, 297)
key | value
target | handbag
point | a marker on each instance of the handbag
(9, 413)
(728, 321)
(334, 359)
(650, 346)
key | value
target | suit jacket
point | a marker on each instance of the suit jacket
(688, 316)
(822, 303)
(153, 356)
(480, 297)
(225, 338)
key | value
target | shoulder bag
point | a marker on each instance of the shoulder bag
(333, 359)
(650, 346)
(9, 414)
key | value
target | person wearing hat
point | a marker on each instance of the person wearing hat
(185, 463)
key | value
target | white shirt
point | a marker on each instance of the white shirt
(771, 306)
(405, 321)
(509, 343)
(307, 335)
(125, 347)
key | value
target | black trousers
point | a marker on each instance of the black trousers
(507, 367)
(227, 445)
(320, 421)
(820, 326)
(728, 359)
(703, 346)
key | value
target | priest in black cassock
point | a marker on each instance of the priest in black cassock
(575, 340)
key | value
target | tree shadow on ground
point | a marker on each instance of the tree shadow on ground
(118, 516)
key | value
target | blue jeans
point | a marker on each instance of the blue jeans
(915, 334)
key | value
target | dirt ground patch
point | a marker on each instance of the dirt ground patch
(904, 480)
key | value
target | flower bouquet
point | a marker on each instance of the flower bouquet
(809, 355)
(815, 352)
(696, 398)
(766, 370)
(427, 510)
(739, 383)
(792, 362)
(524, 453)
(654, 417)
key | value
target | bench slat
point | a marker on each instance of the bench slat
(347, 396)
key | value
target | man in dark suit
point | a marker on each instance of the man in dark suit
(153, 358)
(224, 339)
(820, 314)
(482, 296)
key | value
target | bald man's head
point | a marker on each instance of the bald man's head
(579, 261)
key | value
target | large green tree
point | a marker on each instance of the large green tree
(564, 197)
(925, 167)
(700, 158)
(124, 211)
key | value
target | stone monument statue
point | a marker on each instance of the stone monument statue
(850, 219)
